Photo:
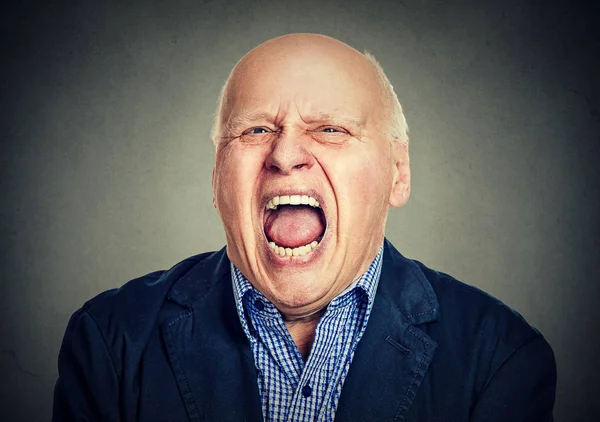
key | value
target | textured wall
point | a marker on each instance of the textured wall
(106, 158)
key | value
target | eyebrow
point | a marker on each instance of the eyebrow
(245, 119)
(324, 116)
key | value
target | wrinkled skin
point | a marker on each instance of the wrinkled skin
(304, 113)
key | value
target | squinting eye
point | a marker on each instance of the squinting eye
(330, 129)
(256, 131)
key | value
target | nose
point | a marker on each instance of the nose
(289, 153)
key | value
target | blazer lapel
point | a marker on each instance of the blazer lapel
(209, 352)
(393, 355)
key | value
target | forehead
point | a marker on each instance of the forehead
(312, 82)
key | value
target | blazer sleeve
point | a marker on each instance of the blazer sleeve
(88, 385)
(522, 389)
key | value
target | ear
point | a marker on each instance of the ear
(214, 199)
(401, 173)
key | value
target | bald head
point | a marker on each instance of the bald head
(301, 56)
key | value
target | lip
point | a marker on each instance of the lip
(297, 261)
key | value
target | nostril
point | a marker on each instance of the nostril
(299, 166)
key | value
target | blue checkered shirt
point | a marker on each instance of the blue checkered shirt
(290, 388)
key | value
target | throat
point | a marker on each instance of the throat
(303, 334)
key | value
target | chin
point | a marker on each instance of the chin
(299, 290)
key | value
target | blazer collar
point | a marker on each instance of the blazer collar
(404, 285)
(201, 279)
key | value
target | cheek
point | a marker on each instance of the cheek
(361, 177)
(237, 172)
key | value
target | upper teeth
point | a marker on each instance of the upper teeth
(291, 200)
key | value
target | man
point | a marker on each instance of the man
(309, 313)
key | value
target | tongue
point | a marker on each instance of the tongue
(294, 226)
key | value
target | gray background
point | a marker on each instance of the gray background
(106, 158)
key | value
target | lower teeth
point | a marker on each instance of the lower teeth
(300, 251)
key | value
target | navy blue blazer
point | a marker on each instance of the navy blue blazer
(169, 347)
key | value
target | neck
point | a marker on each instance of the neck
(302, 331)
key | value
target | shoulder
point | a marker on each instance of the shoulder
(475, 333)
(124, 318)
(141, 295)
(486, 353)
(467, 308)
(434, 299)
(476, 330)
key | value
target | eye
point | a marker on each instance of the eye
(259, 130)
(256, 131)
(332, 129)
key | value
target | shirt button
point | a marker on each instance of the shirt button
(306, 391)
(259, 304)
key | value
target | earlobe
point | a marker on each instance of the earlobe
(401, 174)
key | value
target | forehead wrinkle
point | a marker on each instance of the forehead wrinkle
(281, 111)
(323, 116)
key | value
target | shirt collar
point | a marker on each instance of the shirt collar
(369, 280)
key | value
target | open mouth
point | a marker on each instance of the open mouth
(294, 224)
